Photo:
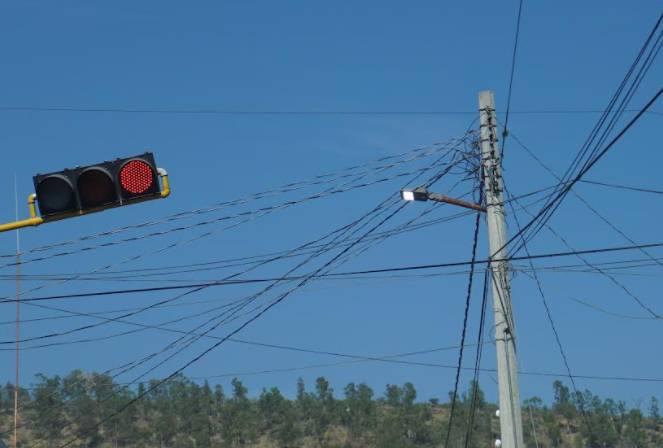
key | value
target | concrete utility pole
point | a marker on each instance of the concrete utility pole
(507, 368)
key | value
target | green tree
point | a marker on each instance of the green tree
(360, 413)
(634, 433)
(553, 429)
(563, 403)
(323, 408)
(239, 428)
(598, 425)
(654, 412)
(278, 417)
(48, 409)
(164, 420)
(405, 423)
(82, 408)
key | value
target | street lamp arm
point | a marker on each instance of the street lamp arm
(437, 197)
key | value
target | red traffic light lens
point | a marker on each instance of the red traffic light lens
(136, 177)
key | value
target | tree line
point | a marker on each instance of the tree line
(92, 409)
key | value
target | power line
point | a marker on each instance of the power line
(366, 218)
(250, 213)
(257, 316)
(100, 316)
(567, 186)
(505, 134)
(280, 298)
(237, 261)
(551, 321)
(274, 112)
(468, 298)
(132, 365)
(219, 264)
(321, 179)
(612, 226)
(622, 187)
(190, 291)
(611, 313)
(590, 151)
(369, 217)
(206, 333)
(477, 360)
(419, 173)
(341, 274)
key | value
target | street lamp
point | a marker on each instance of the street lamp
(417, 194)
(422, 194)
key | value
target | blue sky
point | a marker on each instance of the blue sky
(389, 56)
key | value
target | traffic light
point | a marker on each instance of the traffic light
(97, 187)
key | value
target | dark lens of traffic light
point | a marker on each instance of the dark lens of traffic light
(55, 194)
(95, 188)
(137, 177)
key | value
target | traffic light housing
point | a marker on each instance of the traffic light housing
(97, 187)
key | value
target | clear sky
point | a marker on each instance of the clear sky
(388, 56)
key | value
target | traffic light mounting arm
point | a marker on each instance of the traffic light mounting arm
(165, 184)
(35, 220)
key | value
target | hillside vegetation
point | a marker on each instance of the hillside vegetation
(89, 410)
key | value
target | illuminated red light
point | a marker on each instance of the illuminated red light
(136, 177)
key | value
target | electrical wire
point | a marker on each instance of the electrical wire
(366, 218)
(259, 313)
(613, 227)
(133, 258)
(126, 367)
(258, 212)
(132, 365)
(267, 112)
(551, 321)
(611, 313)
(466, 313)
(230, 334)
(86, 327)
(602, 250)
(477, 361)
(214, 265)
(556, 200)
(172, 299)
(622, 187)
(505, 134)
(322, 179)
(227, 262)
(590, 151)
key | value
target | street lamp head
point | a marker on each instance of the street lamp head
(417, 194)
(407, 195)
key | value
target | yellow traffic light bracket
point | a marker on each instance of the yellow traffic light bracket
(35, 220)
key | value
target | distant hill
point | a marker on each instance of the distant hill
(90, 410)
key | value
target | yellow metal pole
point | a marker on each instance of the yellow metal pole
(34, 220)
